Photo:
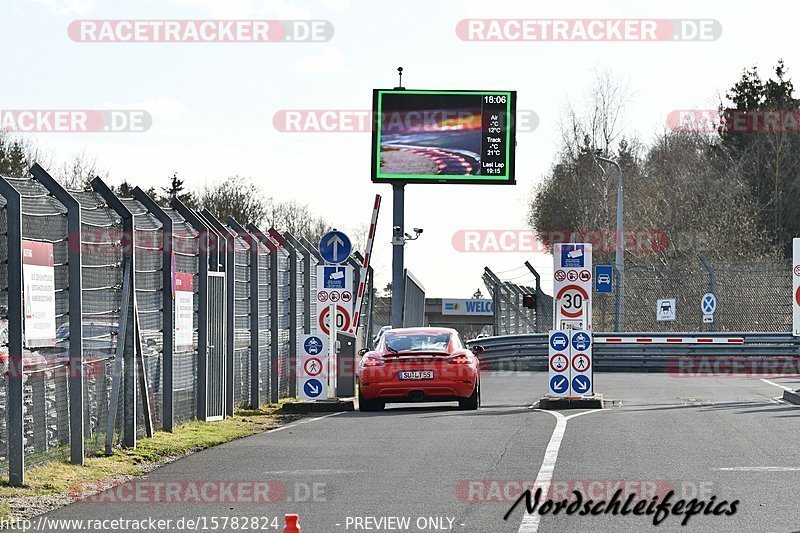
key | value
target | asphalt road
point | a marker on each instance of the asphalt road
(701, 437)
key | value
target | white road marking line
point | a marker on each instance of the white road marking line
(320, 472)
(777, 385)
(299, 422)
(530, 522)
(762, 469)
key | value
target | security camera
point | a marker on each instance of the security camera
(397, 229)
(418, 231)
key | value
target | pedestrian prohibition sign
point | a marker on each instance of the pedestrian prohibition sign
(313, 366)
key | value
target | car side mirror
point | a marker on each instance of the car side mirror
(477, 350)
(362, 351)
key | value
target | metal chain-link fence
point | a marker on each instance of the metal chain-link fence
(273, 299)
(751, 296)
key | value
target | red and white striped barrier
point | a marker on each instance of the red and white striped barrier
(362, 285)
(670, 340)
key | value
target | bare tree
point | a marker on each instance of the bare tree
(238, 197)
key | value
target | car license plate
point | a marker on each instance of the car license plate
(417, 374)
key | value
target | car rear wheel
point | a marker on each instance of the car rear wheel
(473, 402)
(369, 405)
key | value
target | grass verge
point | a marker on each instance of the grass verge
(55, 479)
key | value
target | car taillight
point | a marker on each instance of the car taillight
(459, 360)
(372, 361)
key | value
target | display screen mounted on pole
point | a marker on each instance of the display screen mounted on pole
(443, 136)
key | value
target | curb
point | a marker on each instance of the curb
(792, 397)
(321, 406)
(557, 404)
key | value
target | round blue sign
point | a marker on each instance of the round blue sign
(581, 384)
(312, 388)
(313, 345)
(559, 341)
(335, 247)
(581, 341)
(559, 384)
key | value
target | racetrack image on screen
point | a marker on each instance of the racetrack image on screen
(443, 137)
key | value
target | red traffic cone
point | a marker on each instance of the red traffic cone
(291, 524)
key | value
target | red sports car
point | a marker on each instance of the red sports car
(419, 365)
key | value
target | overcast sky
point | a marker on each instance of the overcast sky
(213, 103)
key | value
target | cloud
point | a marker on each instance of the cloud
(243, 9)
(67, 6)
(327, 60)
(336, 5)
(160, 108)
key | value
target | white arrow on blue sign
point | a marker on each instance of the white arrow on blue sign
(581, 383)
(312, 388)
(335, 247)
(559, 384)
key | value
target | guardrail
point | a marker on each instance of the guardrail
(737, 352)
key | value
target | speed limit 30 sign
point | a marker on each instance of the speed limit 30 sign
(572, 287)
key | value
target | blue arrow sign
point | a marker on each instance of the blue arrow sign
(581, 341)
(335, 247)
(313, 345)
(312, 388)
(709, 304)
(559, 384)
(581, 384)
(604, 278)
(559, 341)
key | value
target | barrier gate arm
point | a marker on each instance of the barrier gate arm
(359, 300)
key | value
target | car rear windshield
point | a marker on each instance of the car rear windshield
(416, 342)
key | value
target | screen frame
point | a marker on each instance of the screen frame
(511, 139)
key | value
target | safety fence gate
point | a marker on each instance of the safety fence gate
(142, 316)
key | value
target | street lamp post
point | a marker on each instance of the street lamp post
(619, 260)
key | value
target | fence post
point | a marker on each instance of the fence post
(282, 241)
(370, 308)
(76, 444)
(167, 307)
(16, 448)
(300, 247)
(252, 242)
(229, 247)
(132, 334)
(202, 305)
(494, 285)
(273, 310)
(711, 280)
